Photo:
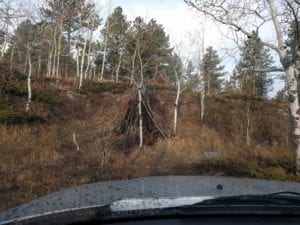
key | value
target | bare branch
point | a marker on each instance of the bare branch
(276, 24)
(230, 23)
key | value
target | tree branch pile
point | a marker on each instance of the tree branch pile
(154, 121)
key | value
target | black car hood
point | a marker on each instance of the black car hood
(165, 187)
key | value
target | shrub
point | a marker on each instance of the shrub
(96, 87)
(239, 167)
(14, 117)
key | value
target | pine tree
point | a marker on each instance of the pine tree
(116, 30)
(212, 71)
(154, 47)
(254, 55)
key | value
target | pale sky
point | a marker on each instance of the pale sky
(180, 23)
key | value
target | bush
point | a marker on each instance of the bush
(14, 117)
(13, 88)
(44, 96)
(160, 87)
(238, 167)
(96, 87)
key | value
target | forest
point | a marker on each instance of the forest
(87, 98)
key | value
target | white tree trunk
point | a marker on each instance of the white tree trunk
(294, 109)
(104, 53)
(202, 79)
(202, 97)
(89, 55)
(12, 54)
(82, 62)
(26, 62)
(29, 83)
(39, 65)
(55, 52)
(105, 42)
(119, 65)
(77, 62)
(176, 106)
(248, 125)
(4, 45)
(59, 53)
(202, 104)
(49, 64)
(290, 70)
(133, 66)
(140, 87)
(140, 115)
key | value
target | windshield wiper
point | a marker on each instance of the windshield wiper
(279, 203)
(278, 198)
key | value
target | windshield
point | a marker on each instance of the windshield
(108, 90)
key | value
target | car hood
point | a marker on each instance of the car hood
(148, 192)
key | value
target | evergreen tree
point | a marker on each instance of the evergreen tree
(154, 47)
(174, 65)
(254, 56)
(117, 34)
(212, 71)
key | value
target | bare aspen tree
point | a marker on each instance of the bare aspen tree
(82, 62)
(119, 65)
(12, 54)
(77, 49)
(139, 83)
(140, 89)
(29, 82)
(26, 62)
(202, 79)
(92, 26)
(83, 53)
(179, 79)
(91, 21)
(133, 66)
(6, 7)
(39, 65)
(248, 140)
(4, 44)
(51, 53)
(77, 61)
(49, 64)
(105, 43)
(250, 15)
(55, 52)
(57, 71)
(202, 98)
(87, 69)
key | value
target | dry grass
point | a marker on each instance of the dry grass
(36, 160)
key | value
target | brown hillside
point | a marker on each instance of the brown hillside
(39, 156)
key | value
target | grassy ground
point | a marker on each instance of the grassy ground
(40, 157)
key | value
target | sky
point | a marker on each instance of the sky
(185, 28)
(180, 23)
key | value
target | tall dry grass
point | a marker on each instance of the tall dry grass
(36, 160)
